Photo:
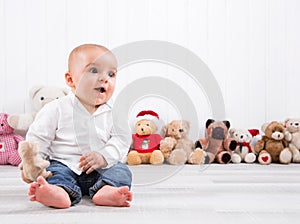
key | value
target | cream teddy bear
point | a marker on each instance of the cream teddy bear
(292, 135)
(32, 164)
(244, 151)
(39, 95)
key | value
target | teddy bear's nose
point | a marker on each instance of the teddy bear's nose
(242, 136)
(142, 129)
(181, 130)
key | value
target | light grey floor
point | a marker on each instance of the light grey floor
(168, 194)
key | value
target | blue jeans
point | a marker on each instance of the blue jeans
(87, 184)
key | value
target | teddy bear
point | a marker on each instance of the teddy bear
(39, 96)
(8, 143)
(244, 151)
(273, 147)
(145, 141)
(292, 135)
(176, 146)
(32, 163)
(216, 144)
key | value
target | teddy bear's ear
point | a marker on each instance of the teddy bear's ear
(231, 131)
(164, 130)
(34, 90)
(208, 122)
(186, 124)
(227, 123)
(264, 127)
(286, 121)
(4, 115)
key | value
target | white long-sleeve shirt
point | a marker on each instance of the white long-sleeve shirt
(66, 130)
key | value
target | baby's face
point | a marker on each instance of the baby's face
(93, 74)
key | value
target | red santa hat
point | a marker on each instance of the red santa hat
(254, 132)
(149, 115)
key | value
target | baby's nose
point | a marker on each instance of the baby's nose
(103, 78)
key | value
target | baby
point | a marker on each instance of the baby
(77, 134)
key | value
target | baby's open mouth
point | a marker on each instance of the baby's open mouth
(100, 89)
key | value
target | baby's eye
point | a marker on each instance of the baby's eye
(93, 70)
(111, 74)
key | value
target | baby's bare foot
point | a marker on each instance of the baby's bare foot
(48, 194)
(113, 196)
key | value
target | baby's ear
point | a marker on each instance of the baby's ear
(69, 80)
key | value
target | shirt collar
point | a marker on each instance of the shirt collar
(102, 108)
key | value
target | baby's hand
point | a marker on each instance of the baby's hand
(91, 161)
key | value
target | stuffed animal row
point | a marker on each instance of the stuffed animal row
(279, 144)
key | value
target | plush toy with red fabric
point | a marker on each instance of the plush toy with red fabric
(244, 151)
(145, 140)
(8, 143)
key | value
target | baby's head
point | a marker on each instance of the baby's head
(92, 71)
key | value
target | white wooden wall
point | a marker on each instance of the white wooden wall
(251, 46)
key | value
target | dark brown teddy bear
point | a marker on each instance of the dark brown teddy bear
(273, 147)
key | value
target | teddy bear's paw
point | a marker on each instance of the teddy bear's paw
(285, 156)
(296, 158)
(48, 174)
(264, 158)
(198, 144)
(165, 146)
(197, 157)
(133, 158)
(156, 157)
(177, 157)
(233, 145)
(236, 158)
(250, 158)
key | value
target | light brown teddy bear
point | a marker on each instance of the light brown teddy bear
(273, 147)
(145, 142)
(176, 146)
(292, 135)
(32, 164)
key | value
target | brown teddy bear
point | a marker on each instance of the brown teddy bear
(273, 147)
(176, 146)
(217, 146)
(292, 135)
(145, 142)
(32, 164)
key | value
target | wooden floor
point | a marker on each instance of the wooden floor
(174, 194)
